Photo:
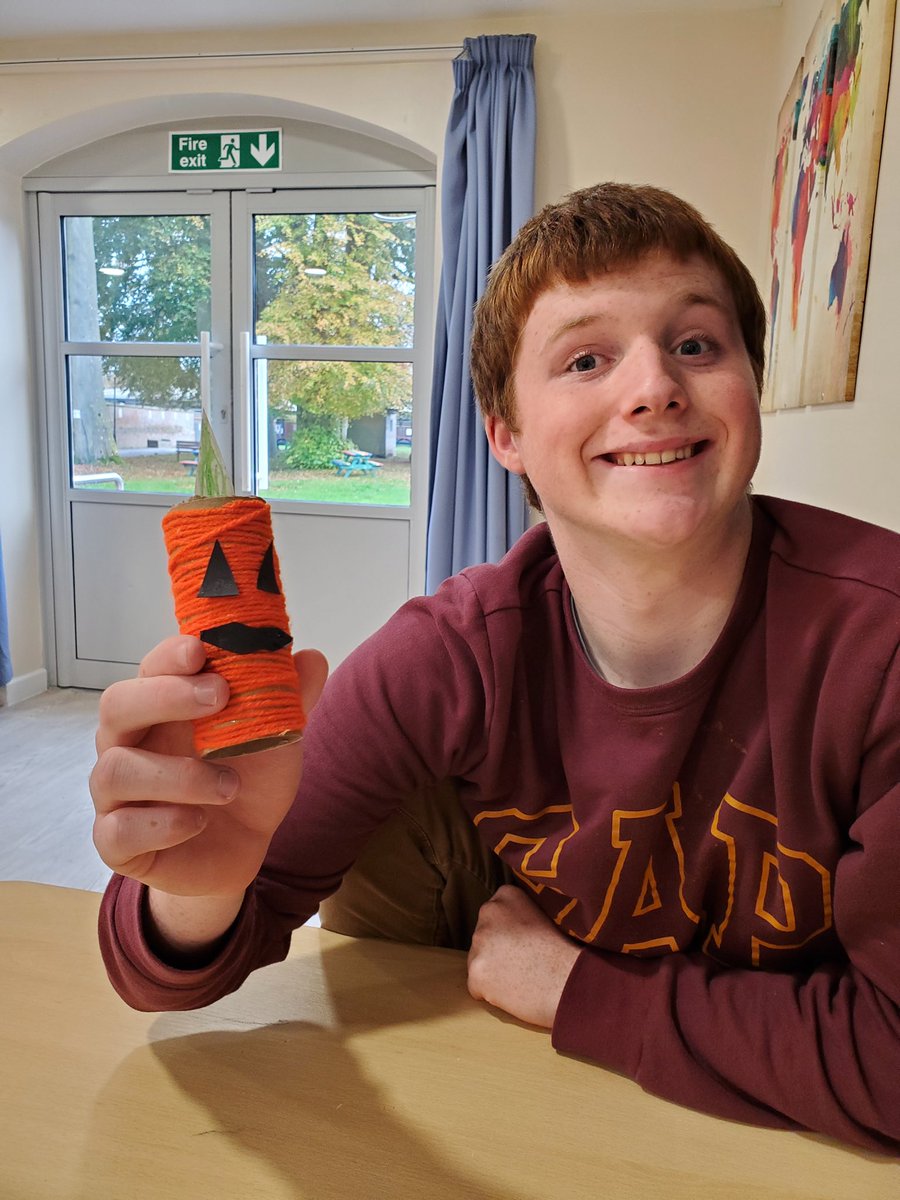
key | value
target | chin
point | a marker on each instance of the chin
(670, 522)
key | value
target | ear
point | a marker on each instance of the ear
(502, 442)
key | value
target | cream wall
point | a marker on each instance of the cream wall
(688, 103)
(19, 508)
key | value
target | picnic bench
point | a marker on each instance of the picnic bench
(355, 460)
(185, 447)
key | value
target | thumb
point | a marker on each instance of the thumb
(312, 671)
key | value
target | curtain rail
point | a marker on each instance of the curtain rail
(224, 54)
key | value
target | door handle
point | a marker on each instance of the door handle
(207, 350)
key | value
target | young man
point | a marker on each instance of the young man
(670, 717)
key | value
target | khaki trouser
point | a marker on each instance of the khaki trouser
(421, 878)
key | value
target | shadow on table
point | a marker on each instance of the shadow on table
(294, 1094)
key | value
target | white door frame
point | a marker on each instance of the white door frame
(62, 496)
(238, 207)
(353, 199)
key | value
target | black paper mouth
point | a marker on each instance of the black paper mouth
(246, 639)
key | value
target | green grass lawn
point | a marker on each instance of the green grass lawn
(151, 473)
(328, 487)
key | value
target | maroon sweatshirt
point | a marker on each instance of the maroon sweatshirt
(726, 846)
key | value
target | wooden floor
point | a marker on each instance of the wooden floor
(46, 755)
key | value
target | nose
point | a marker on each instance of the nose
(653, 382)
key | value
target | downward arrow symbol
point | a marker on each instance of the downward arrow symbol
(262, 152)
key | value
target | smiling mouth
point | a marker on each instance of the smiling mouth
(654, 458)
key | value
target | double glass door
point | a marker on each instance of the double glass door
(301, 316)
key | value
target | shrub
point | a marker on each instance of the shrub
(314, 445)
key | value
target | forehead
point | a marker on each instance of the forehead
(655, 285)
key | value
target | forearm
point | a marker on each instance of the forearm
(188, 931)
(820, 1051)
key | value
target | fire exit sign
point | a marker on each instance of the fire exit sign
(224, 150)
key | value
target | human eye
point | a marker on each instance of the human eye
(695, 347)
(583, 361)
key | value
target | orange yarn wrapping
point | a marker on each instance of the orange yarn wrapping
(265, 708)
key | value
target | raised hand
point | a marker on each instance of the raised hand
(182, 825)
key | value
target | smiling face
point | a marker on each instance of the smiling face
(637, 414)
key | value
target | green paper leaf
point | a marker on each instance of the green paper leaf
(213, 477)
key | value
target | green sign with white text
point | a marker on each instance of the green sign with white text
(221, 150)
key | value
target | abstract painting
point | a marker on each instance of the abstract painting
(825, 176)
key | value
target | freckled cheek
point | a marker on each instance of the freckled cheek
(749, 418)
(737, 408)
(742, 435)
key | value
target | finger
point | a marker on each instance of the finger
(178, 655)
(473, 984)
(508, 904)
(129, 839)
(492, 910)
(478, 969)
(312, 671)
(126, 776)
(128, 709)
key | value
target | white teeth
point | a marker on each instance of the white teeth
(653, 458)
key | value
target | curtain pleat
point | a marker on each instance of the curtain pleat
(476, 508)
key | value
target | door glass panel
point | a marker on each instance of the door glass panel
(334, 432)
(134, 422)
(335, 279)
(136, 279)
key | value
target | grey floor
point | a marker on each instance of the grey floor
(46, 755)
(46, 813)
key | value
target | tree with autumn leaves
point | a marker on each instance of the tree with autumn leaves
(333, 280)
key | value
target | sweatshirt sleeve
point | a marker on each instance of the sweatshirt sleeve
(147, 983)
(818, 1050)
(359, 760)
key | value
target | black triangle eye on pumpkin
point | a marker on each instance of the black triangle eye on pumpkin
(226, 585)
(238, 637)
(266, 580)
(219, 579)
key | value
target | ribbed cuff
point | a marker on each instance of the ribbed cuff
(148, 983)
(603, 1011)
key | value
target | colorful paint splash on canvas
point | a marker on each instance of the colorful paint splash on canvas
(828, 145)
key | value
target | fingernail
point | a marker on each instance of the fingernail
(206, 691)
(227, 784)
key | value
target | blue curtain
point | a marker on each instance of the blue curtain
(477, 509)
(5, 661)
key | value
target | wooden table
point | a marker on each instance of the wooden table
(354, 1070)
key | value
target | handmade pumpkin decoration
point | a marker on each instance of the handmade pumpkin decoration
(227, 588)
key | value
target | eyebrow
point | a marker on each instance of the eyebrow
(682, 300)
(706, 300)
(575, 323)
